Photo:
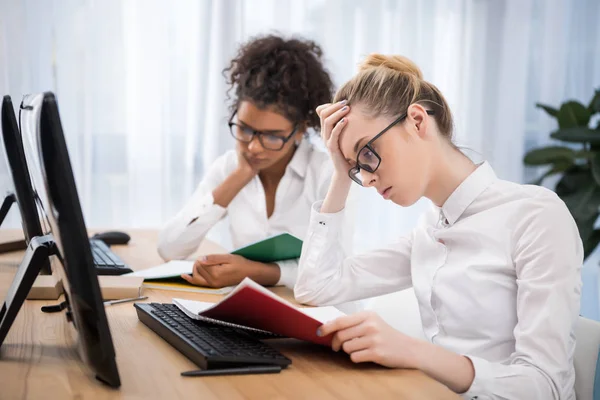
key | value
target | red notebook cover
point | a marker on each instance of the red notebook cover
(251, 305)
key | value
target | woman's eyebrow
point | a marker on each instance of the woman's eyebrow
(358, 144)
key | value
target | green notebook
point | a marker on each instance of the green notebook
(275, 248)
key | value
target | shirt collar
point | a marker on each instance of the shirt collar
(467, 192)
(299, 162)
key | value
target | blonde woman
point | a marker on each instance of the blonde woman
(495, 265)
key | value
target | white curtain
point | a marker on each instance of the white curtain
(142, 97)
(143, 106)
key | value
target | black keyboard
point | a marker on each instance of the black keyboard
(206, 344)
(107, 262)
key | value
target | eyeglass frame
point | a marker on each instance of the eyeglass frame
(258, 133)
(353, 172)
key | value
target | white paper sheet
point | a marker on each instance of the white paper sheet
(171, 269)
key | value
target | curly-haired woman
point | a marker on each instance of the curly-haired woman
(269, 182)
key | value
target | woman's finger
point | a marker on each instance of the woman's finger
(340, 323)
(195, 280)
(321, 108)
(333, 144)
(204, 273)
(358, 344)
(215, 259)
(324, 111)
(331, 121)
(332, 108)
(347, 334)
(362, 356)
(353, 332)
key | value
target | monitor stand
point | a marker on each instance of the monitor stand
(4, 209)
(38, 252)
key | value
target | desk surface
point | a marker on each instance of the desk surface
(39, 359)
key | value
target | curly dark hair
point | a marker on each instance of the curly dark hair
(287, 74)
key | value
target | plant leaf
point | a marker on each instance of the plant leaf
(594, 105)
(596, 168)
(573, 179)
(553, 112)
(579, 191)
(584, 202)
(573, 114)
(548, 155)
(586, 226)
(589, 235)
(591, 243)
(588, 155)
(558, 167)
(577, 135)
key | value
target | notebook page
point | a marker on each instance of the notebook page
(193, 308)
(323, 314)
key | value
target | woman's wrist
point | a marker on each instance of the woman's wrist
(244, 174)
(453, 370)
(335, 201)
(265, 274)
(341, 179)
(418, 353)
(231, 186)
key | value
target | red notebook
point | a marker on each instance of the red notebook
(250, 305)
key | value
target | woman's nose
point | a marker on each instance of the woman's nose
(255, 146)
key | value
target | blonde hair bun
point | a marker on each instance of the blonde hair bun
(395, 62)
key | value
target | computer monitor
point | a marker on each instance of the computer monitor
(52, 177)
(23, 191)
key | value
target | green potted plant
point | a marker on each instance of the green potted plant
(578, 160)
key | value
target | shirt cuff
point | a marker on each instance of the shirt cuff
(325, 224)
(205, 210)
(483, 372)
(181, 236)
(288, 270)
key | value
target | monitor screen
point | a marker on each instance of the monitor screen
(21, 182)
(52, 177)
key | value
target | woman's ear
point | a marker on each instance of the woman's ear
(416, 116)
(301, 133)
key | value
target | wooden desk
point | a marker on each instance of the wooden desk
(39, 359)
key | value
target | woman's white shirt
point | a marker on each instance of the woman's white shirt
(496, 272)
(305, 181)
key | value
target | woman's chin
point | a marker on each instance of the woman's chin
(403, 201)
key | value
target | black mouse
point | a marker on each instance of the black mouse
(112, 237)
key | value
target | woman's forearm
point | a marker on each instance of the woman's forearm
(231, 186)
(445, 366)
(337, 194)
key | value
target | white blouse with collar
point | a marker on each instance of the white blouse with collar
(496, 272)
(305, 181)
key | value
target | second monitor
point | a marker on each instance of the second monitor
(34, 221)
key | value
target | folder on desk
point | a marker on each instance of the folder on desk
(252, 306)
(280, 247)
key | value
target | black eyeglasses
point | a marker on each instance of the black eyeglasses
(268, 140)
(367, 158)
